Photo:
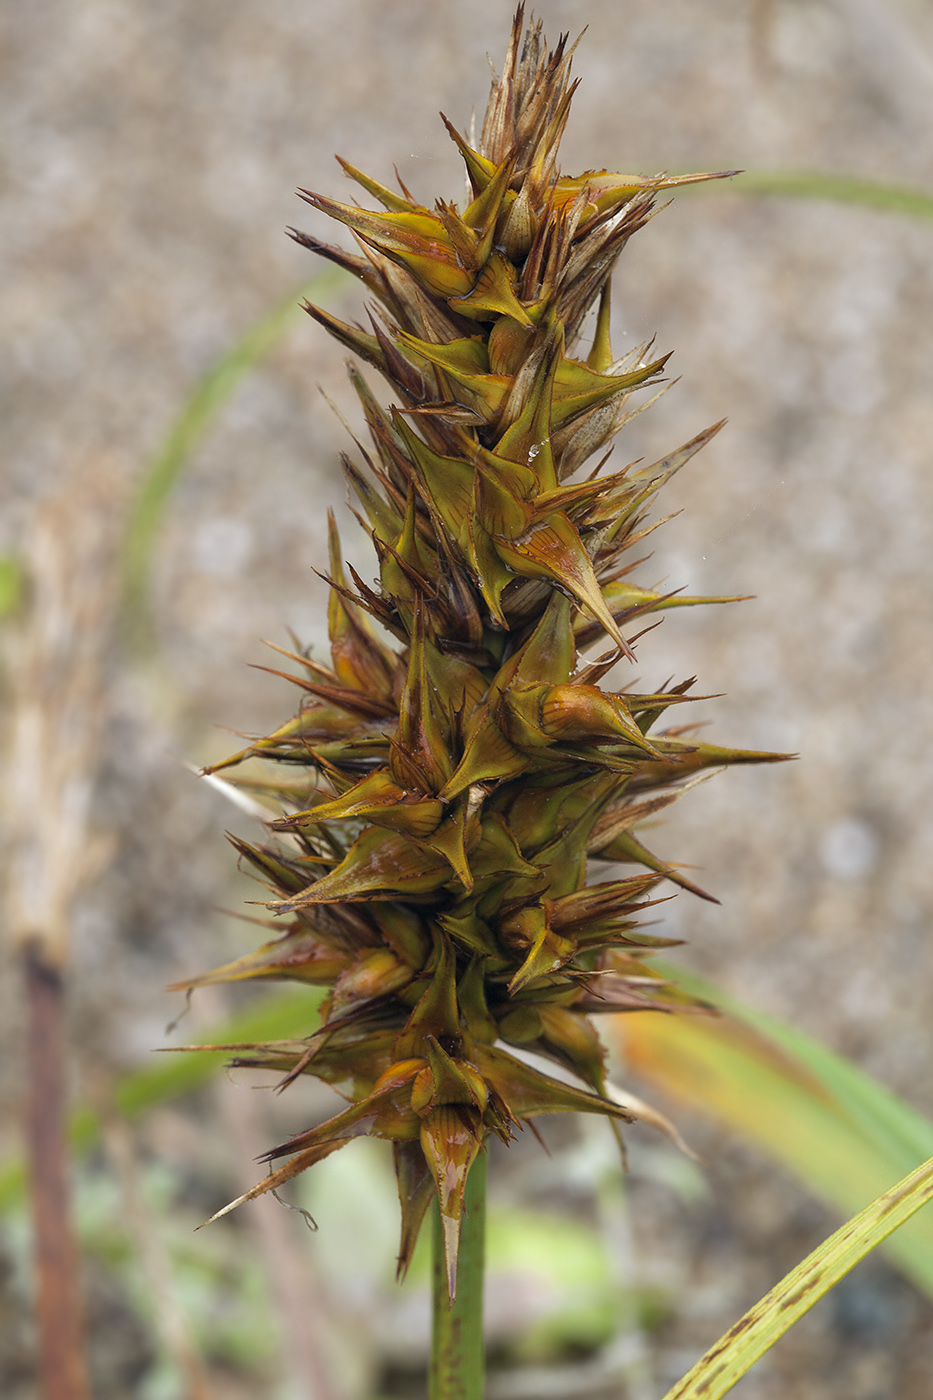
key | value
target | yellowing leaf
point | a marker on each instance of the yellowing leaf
(747, 1340)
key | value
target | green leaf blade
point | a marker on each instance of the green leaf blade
(835, 186)
(171, 458)
(746, 1342)
(843, 1134)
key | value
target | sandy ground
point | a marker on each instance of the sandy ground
(150, 153)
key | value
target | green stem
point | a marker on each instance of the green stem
(457, 1356)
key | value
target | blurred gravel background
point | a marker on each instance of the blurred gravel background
(149, 157)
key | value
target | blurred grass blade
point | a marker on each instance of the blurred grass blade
(841, 189)
(171, 458)
(844, 1135)
(736, 1352)
(11, 584)
(877, 1111)
(280, 1017)
(808, 184)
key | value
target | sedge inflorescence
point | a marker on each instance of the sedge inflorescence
(456, 778)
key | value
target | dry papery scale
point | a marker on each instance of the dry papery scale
(456, 777)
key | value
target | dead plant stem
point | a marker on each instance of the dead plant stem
(62, 1369)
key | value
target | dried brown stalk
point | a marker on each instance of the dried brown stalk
(55, 720)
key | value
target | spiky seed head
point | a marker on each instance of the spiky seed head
(465, 770)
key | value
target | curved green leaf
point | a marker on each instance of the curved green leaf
(735, 1353)
(841, 1132)
(203, 403)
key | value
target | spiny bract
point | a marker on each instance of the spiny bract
(455, 783)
